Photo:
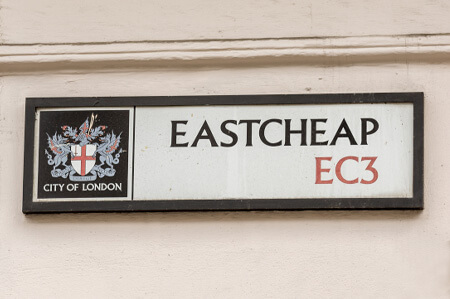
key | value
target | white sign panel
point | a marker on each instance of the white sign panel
(338, 151)
(274, 151)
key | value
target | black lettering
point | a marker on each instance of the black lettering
(315, 132)
(209, 135)
(364, 131)
(348, 134)
(175, 133)
(234, 137)
(262, 130)
(288, 132)
(249, 123)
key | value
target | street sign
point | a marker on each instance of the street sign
(246, 152)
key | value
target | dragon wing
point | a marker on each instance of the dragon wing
(113, 143)
(54, 143)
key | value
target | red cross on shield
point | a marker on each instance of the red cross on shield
(83, 160)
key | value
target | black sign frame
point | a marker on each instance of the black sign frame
(414, 202)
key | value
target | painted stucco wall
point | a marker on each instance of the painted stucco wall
(55, 48)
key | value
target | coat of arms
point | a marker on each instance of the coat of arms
(86, 146)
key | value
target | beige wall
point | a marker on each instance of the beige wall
(304, 254)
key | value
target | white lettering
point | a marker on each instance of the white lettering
(53, 187)
(102, 187)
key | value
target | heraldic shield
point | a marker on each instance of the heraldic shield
(83, 159)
